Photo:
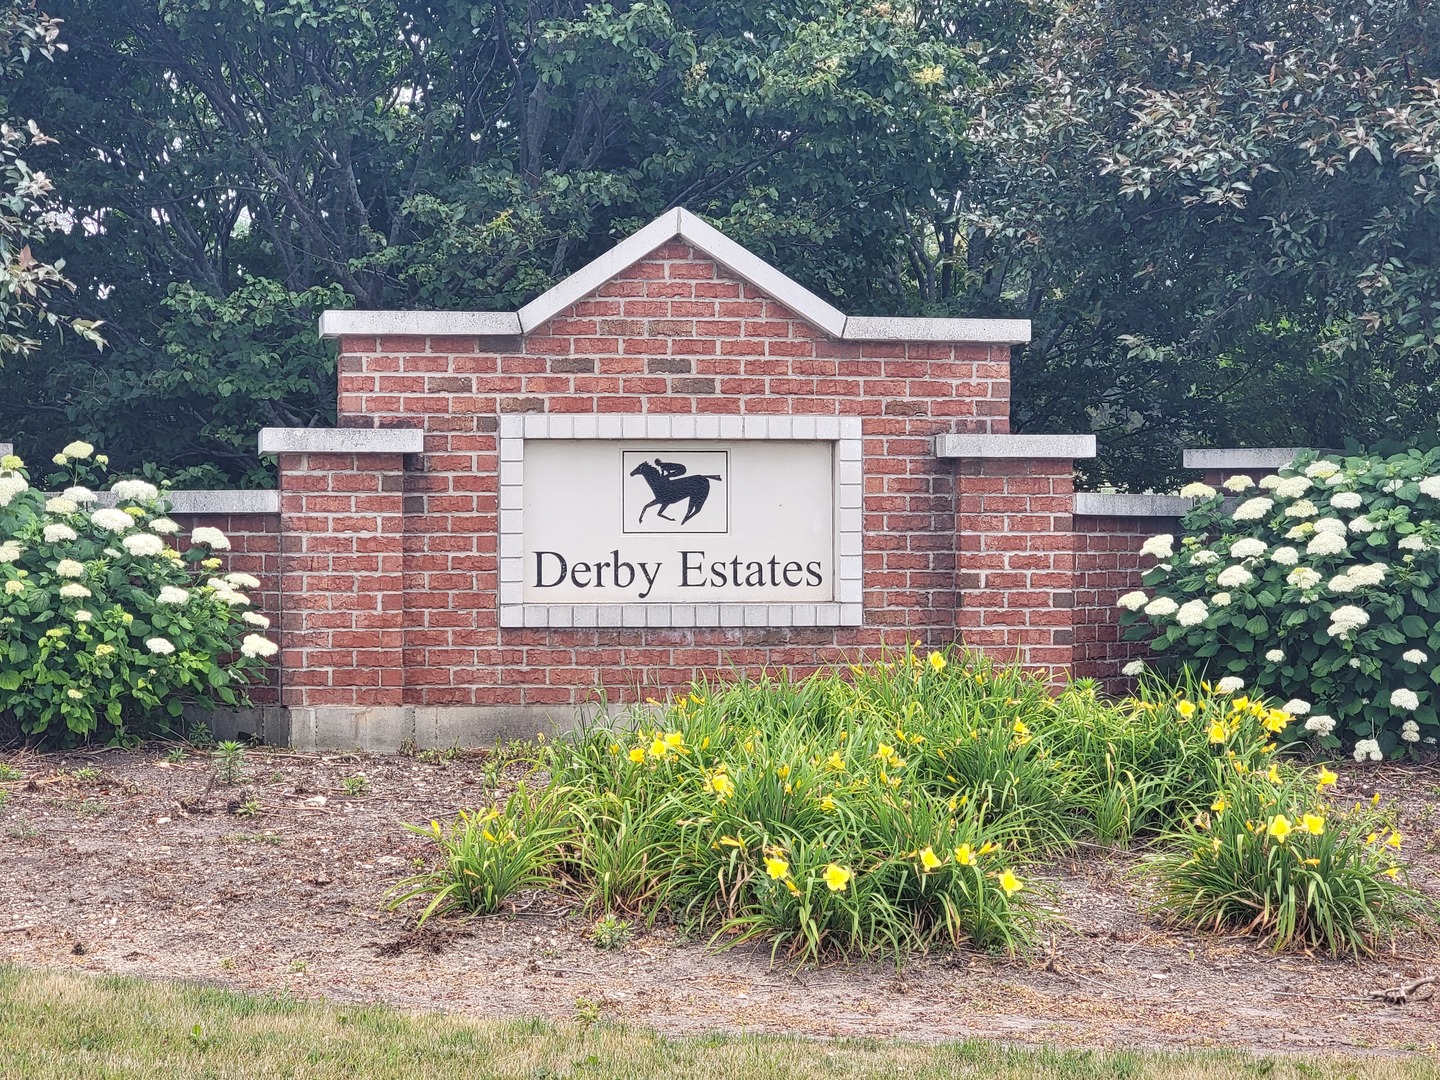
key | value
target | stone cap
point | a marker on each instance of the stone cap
(275, 440)
(1122, 504)
(987, 447)
(1256, 457)
(708, 240)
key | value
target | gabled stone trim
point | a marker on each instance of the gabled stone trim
(709, 241)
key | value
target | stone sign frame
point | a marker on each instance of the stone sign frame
(844, 432)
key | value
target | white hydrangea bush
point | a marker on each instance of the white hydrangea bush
(106, 626)
(1320, 585)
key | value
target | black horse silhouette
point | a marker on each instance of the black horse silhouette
(669, 484)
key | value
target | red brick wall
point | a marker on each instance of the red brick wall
(673, 334)
(1016, 542)
(255, 549)
(1108, 565)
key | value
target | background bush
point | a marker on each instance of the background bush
(1318, 587)
(104, 626)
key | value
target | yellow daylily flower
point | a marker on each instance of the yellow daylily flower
(674, 740)
(658, 748)
(929, 860)
(987, 847)
(777, 868)
(1392, 872)
(1314, 824)
(1010, 883)
(1394, 840)
(835, 761)
(783, 772)
(1186, 709)
(1279, 828)
(1217, 732)
(964, 856)
(837, 878)
(1326, 779)
(1273, 773)
(1219, 805)
(937, 661)
(721, 784)
(637, 754)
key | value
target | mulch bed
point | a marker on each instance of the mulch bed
(128, 862)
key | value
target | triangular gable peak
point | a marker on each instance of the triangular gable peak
(705, 240)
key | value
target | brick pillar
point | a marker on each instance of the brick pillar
(343, 525)
(1016, 544)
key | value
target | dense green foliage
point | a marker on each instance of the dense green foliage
(910, 805)
(1205, 210)
(105, 628)
(1321, 586)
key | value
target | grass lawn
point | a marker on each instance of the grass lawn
(60, 1025)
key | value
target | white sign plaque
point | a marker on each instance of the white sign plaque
(679, 521)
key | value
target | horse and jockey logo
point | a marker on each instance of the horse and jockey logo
(674, 479)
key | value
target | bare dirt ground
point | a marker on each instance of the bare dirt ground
(127, 862)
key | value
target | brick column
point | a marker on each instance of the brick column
(341, 580)
(1016, 544)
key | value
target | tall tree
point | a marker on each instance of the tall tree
(248, 163)
(28, 214)
(1224, 220)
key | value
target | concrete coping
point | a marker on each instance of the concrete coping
(341, 440)
(1123, 504)
(6, 448)
(207, 500)
(988, 447)
(706, 239)
(1255, 457)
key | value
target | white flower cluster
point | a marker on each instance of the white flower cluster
(164, 527)
(1133, 668)
(1234, 577)
(69, 568)
(1253, 509)
(1320, 724)
(1230, 684)
(1247, 548)
(60, 506)
(1220, 599)
(58, 533)
(1362, 525)
(1285, 556)
(10, 551)
(1431, 486)
(80, 496)
(254, 618)
(1196, 490)
(1204, 557)
(135, 491)
(1346, 620)
(1322, 470)
(1192, 613)
(1267, 483)
(1302, 508)
(159, 646)
(143, 544)
(1346, 500)
(1414, 656)
(112, 520)
(1295, 707)
(1238, 484)
(1357, 577)
(1275, 656)
(172, 594)
(1368, 748)
(1162, 547)
(1133, 601)
(1292, 487)
(1161, 606)
(10, 486)
(1404, 699)
(1326, 544)
(255, 645)
(1410, 731)
(1330, 525)
(211, 538)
